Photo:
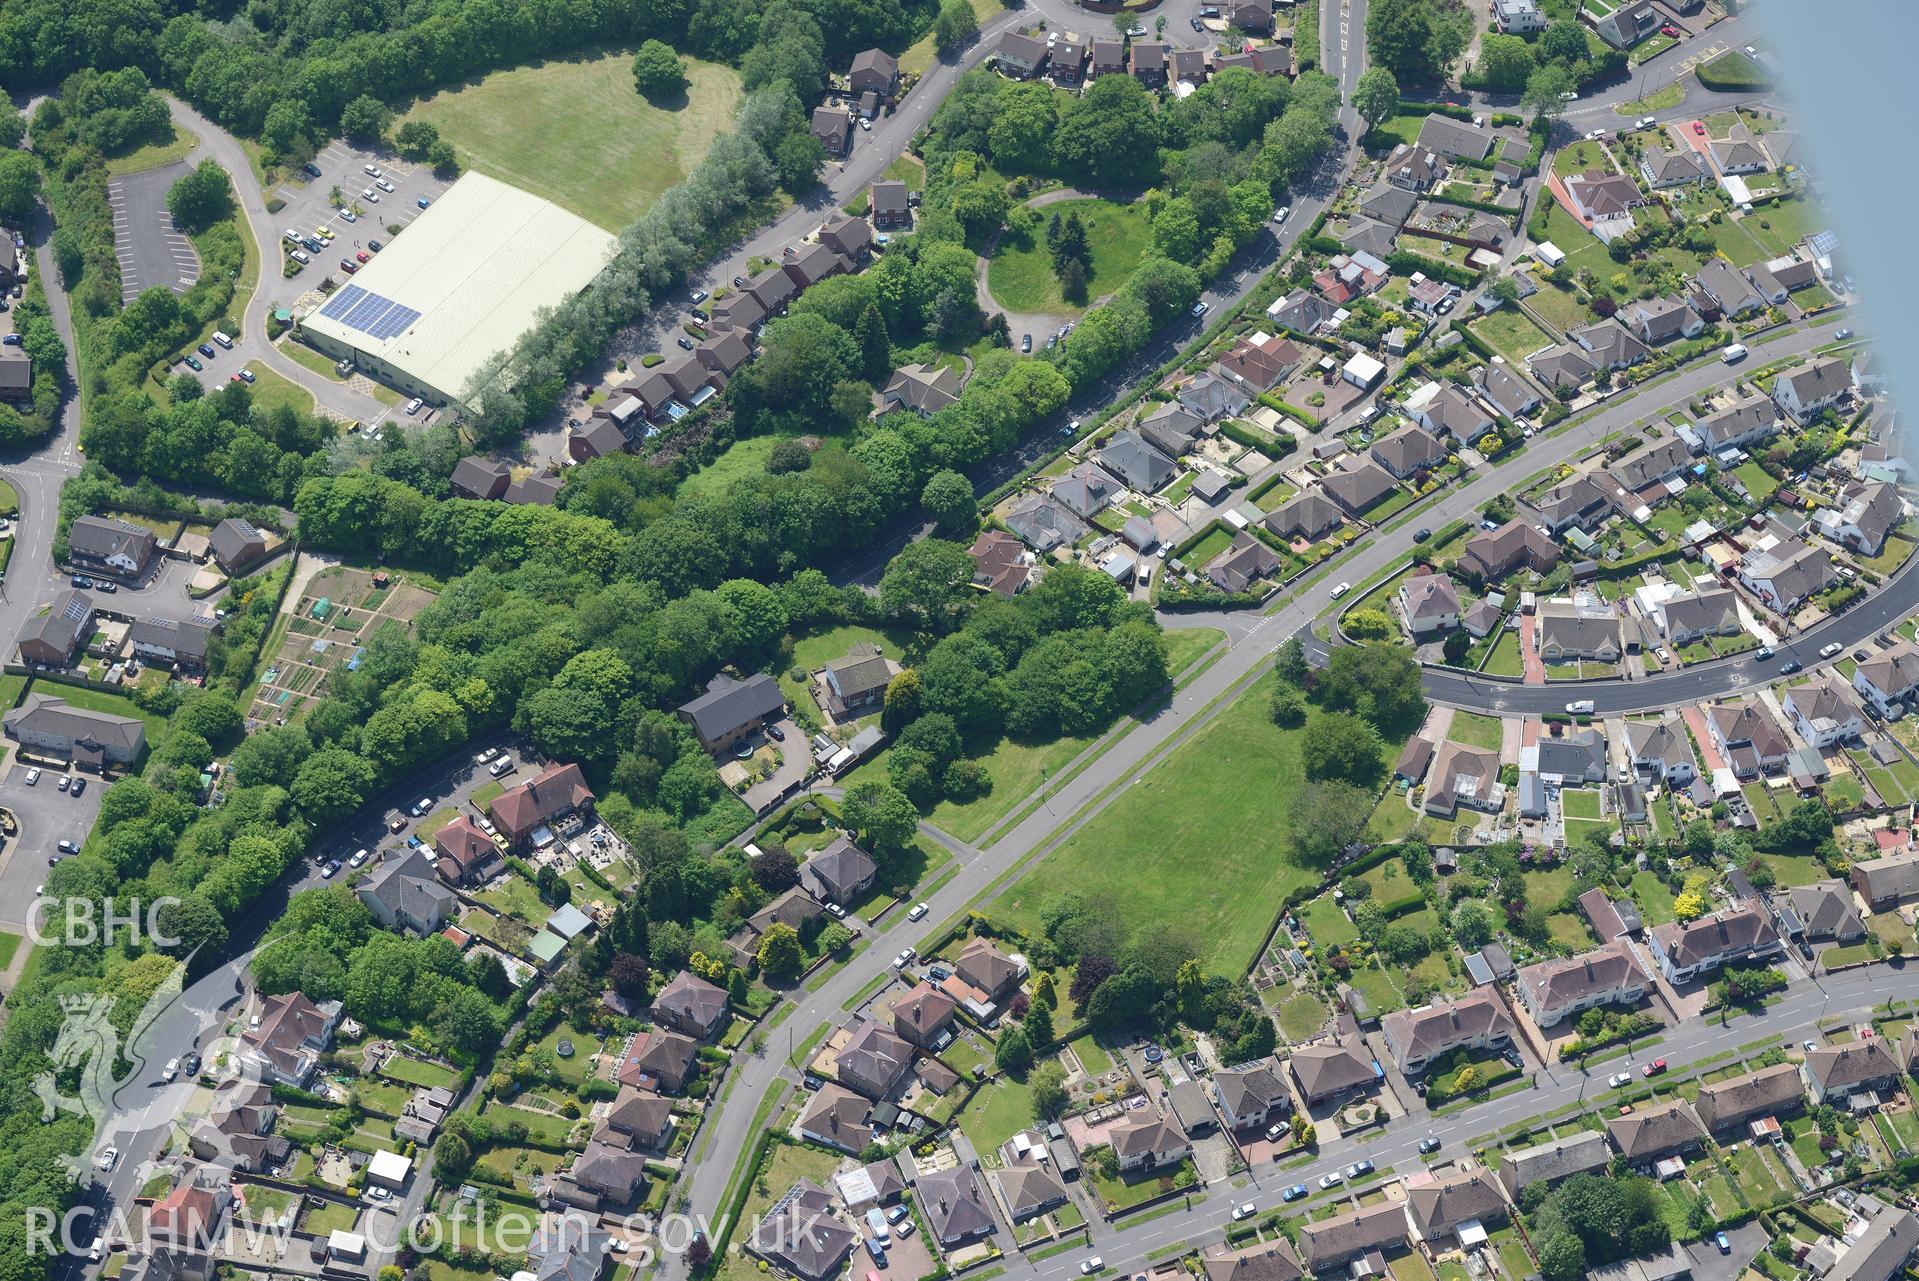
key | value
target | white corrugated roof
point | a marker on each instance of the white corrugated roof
(477, 266)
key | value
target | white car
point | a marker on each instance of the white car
(347, 215)
(904, 959)
(383, 184)
(107, 1157)
(171, 1070)
(866, 124)
(379, 1194)
(1829, 649)
(1282, 213)
(1329, 1179)
(422, 807)
(919, 911)
(359, 857)
(1595, 135)
(1087, 1267)
(33, 776)
(486, 756)
(502, 766)
(372, 171)
(1580, 707)
(1618, 1079)
(372, 196)
(1245, 1211)
(1647, 122)
(1341, 590)
(413, 406)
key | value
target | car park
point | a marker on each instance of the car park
(364, 256)
(348, 266)
(686, 344)
(383, 184)
(371, 196)
(79, 787)
(193, 363)
(372, 170)
(81, 581)
(310, 169)
(1719, 1239)
(66, 781)
(347, 215)
(423, 202)
(375, 246)
(1026, 343)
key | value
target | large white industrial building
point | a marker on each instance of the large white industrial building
(463, 283)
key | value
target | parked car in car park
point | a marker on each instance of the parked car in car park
(413, 406)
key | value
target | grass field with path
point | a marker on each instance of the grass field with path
(577, 132)
(153, 155)
(1201, 840)
(1020, 275)
(269, 391)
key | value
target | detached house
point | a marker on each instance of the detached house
(990, 970)
(1250, 1096)
(1863, 521)
(1820, 911)
(956, 1210)
(293, 1033)
(891, 208)
(1750, 422)
(406, 894)
(1888, 677)
(732, 709)
(235, 545)
(874, 70)
(1507, 392)
(1463, 775)
(1429, 603)
(1422, 1037)
(999, 563)
(840, 873)
(464, 854)
(834, 128)
(1144, 469)
(836, 1118)
(1311, 515)
(1824, 712)
(659, 1061)
(1149, 64)
(1020, 55)
(1747, 738)
(1358, 488)
(1887, 883)
(1607, 975)
(923, 1015)
(1408, 451)
(1787, 574)
(1728, 290)
(1514, 545)
(1660, 320)
(1611, 345)
(1444, 410)
(1561, 365)
(690, 1004)
(1148, 1143)
(855, 684)
(1329, 1070)
(1625, 26)
(1567, 632)
(1661, 750)
(53, 639)
(1260, 362)
(924, 389)
(1661, 169)
(1604, 200)
(1812, 388)
(1685, 950)
(1685, 619)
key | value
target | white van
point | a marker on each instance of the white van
(223, 340)
(1733, 353)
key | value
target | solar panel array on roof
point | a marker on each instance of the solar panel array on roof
(1824, 243)
(370, 313)
(77, 608)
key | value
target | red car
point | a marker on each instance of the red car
(233, 378)
(1699, 127)
(347, 267)
(363, 255)
(1655, 1067)
(1669, 30)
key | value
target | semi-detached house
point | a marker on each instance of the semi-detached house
(1553, 990)
(1420, 1038)
(1889, 676)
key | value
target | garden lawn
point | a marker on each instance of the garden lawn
(1568, 929)
(1795, 869)
(571, 1070)
(1549, 886)
(1475, 730)
(418, 1072)
(1559, 305)
(1378, 988)
(1327, 923)
(1583, 250)
(1512, 333)
(1757, 480)
(1777, 227)
(1505, 660)
(1020, 275)
(740, 459)
(576, 132)
(95, 700)
(1091, 1054)
(1300, 1016)
(1580, 802)
(1650, 895)
(330, 1217)
(997, 1113)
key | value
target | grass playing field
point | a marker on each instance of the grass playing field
(577, 132)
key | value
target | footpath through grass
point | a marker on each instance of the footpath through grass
(1200, 841)
(577, 132)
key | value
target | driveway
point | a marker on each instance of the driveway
(150, 249)
(47, 816)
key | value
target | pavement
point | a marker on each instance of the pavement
(151, 250)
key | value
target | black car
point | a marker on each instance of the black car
(1788, 667)
(739, 282)
(79, 786)
(1421, 534)
(775, 733)
(191, 1065)
(1428, 1144)
(1198, 25)
(312, 170)
(686, 344)
(81, 580)
(104, 586)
